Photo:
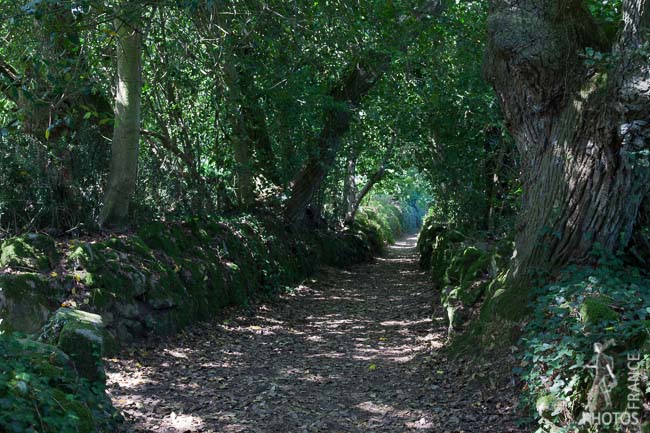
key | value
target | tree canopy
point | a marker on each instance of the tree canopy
(248, 141)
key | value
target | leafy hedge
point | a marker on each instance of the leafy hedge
(383, 219)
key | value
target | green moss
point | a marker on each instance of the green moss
(507, 302)
(110, 274)
(172, 274)
(426, 240)
(546, 405)
(83, 337)
(30, 252)
(445, 249)
(466, 266)
(594, 310)
(26, 301)
(465, 283)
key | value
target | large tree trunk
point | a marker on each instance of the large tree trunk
(126, 130)
(580, 132)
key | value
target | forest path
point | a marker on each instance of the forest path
(349, 351)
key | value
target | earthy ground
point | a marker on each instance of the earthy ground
(349, 351)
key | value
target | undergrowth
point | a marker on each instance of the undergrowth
(589, 309)
(40, 392)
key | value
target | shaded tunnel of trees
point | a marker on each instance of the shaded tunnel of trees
(514, 134)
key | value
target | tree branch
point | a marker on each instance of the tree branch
(347, 95)
(8, 79)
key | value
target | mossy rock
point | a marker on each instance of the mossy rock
(509, 303)
(594, 310)
(30, 252)
(426, 240)
(83, 337)
(132, 245)
(26, 301)
(446, 248)
(172, 239)
(467, 266)
(25, 347)
(467, 294)
(546, 405)
(113, 270)
(458, 301)
(166, 290)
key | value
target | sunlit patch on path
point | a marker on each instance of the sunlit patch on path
(349, 351)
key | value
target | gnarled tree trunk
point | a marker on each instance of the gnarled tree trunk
(581, 132)
(126, 130)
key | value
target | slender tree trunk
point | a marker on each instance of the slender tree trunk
(372, 181)
(260, 141)
(350, 190)
(251, 144)
(244, 182)
(126, 130)
(243, 163)
(581, 132)
(494, 162)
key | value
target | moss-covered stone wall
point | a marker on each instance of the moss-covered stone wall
(82, 298)
(165, 275)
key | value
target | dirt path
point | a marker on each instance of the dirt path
(350, 351)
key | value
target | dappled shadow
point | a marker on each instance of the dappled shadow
(348, 351)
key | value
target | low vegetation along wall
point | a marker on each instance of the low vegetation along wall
(65, 304)
(603, 308)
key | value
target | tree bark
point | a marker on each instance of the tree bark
(350, 189)
(126, 129)
(580, 132)
(372, 181)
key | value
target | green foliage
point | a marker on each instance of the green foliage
(584, 307)
(29, 252)
(41, 392)
(271, 68)
(27, 299)
(384, 216)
